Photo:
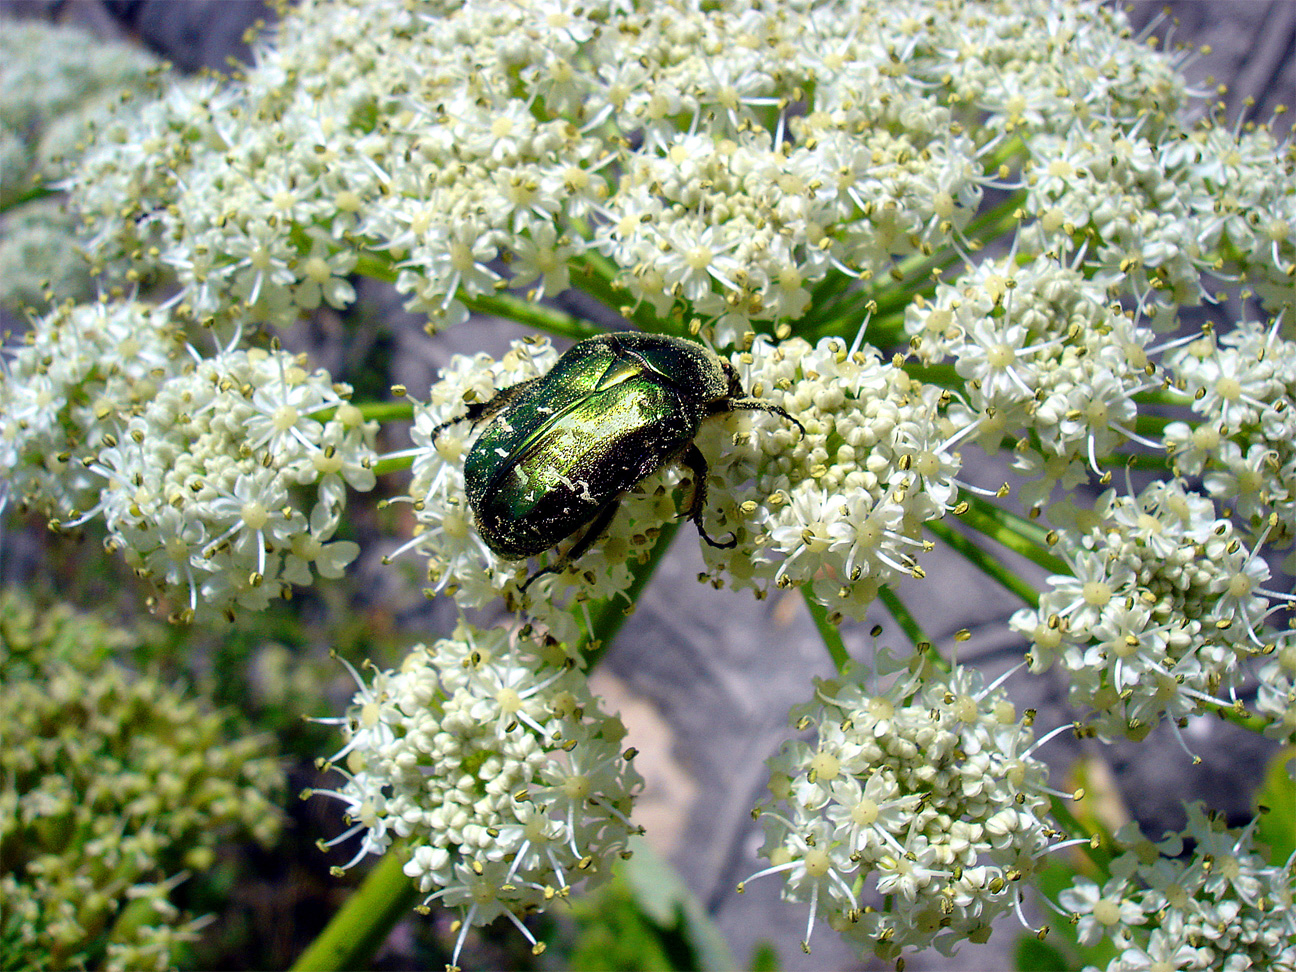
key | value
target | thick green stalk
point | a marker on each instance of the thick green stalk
(355, 933)
(40, 191)
(607, 617)
(596, 275)
(903, 617)
(502, 304)
(540, 316)
(402, 411)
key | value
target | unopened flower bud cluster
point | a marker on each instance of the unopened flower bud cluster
(113, 786)
(1162, 613)
(488, 754)
(72, 379)
(913, 816)
(1201, 898)
(227, 486)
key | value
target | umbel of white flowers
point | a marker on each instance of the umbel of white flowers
(918, 814)
(487, 753)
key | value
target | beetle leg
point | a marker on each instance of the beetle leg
(697, 464)
(577, 549)
(478, 412)
(756, 405)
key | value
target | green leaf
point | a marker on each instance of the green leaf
(765, 959)
(660, 892)
(1276, 808)
(1032, 955)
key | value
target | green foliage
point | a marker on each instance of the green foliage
(644, 919)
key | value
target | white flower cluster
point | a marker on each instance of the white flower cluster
(489, 756)
(1203, 898)
(654, 150)
(1040, 349)
(923, 791)
(839, 509)
(1164, 608)
(1160, 209)
(1243, 385)
(69, 382)
(225, 486)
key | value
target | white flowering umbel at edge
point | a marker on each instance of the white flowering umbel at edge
(920, 790)
(1202, 898)
(225, 489)
(514, 141)
(1163, 613)
(836, 509)
(489, 756)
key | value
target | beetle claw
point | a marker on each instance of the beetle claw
(723, 545)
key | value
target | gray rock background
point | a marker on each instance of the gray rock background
(705, 677)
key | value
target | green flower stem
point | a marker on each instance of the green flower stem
(902, 615)
(914, 275)
(942, 375)
(392, 464)
(1100, 856)
(832, 638)
(607, 617)
(502, 304)
(1239, 717)
(39, 191)
(402, 411)
(595, 275)
(526, 312)
(1130, 460)
(375, 266)
(1164, 396)
(823, 296)
(361, 925)
(1153, 425)
(1014, 532)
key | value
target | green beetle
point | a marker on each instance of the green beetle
(562, 448)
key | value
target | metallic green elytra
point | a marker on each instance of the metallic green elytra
(561, 449)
